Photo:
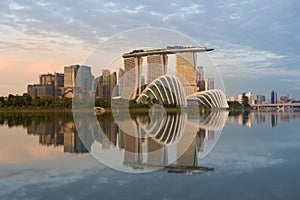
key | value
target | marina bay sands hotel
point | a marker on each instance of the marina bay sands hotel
(157, 62)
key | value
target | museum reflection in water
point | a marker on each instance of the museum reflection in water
(192, 135)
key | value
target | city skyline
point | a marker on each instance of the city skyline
(104, 86)
(255, 43)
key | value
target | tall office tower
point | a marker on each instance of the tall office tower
(210, 84)
(260, 99)
(199, 74)
(84, 78)
(79, 77)
(185, 70)
(156, 66)
(113, 84)
(120, 81)
(58, 83)
(59, 80)
(250, 97)
(79, 73)
(200, 82)
(106, 85)
(70, 75)
(133, 77)
(273, 97)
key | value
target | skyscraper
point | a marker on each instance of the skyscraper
(185, 70)
(79, 77)
(273, 97)
(156, 66)
(200, 82)
(106, 84)
(199, 74)
(260, 99)
(120, 81)
(133, 78)
(185, 66)
(79, 73)
(84, 78)
(210, 84)
(70, 75)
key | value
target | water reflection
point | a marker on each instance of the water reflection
(174, 142)
(273, 118)
(158, 140)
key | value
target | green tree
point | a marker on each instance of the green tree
(11, 100)
(48, 101)
(26, 99)
(245, 102)
(2, 101)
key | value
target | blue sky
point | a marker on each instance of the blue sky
(256, 42)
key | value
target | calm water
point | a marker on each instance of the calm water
(176, 156)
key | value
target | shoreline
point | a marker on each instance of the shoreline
(23, 110)
(132, 110)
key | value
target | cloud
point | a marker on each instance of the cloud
(244, 60)
(258, 37)
(16, 7)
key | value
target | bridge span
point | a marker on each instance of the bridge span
(278, 106)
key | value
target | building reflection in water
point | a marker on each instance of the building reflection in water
(273, 118)
(155, 140)
(173, 142)
(58, 133)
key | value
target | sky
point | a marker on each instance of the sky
(256, 42)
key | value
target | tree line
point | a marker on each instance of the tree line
(25, 101)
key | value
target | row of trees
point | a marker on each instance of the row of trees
(25, 100)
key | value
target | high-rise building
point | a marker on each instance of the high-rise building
(185, 66)
(106, 85)
(185, 70)
(273, 97)
(78, 76)
(199, 74)
(200, 82)
(260, 99)
(210, 84)
(48, 85)
(70, 75)
(251, 99)
(84, 78)
(133, 78)
(156, 66)
(56, 80)
(120, 81)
